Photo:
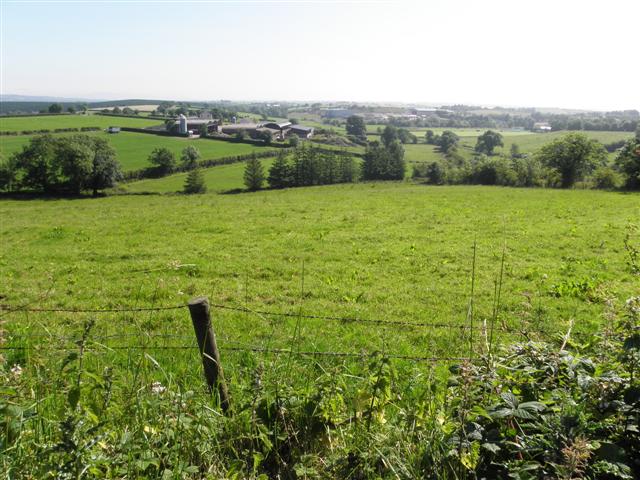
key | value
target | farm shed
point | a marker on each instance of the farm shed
(301, 131)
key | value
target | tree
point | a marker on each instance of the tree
(195, 182)
(71, 110)
(628, 162)
(447, 141)
(66, 164)
(515, 151)
(383, 163)
(106, 168)
(573, 156)
(116, 110)
(253, 173)
(265, 136)
(389, 135)
(488, 141)
(429, 137)
(8, 173)
(163, 159)
(280, 173)
(355, 126)
(55, 108)
(347, 172)
(294, 140)
(189, 157)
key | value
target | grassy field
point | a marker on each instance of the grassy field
(133, 149)
(218, 179)
(51, 122)
(527, 141)
(391, 250)
(127, 386)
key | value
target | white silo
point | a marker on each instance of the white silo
(183, 124)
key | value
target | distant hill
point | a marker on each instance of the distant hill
(35, 99)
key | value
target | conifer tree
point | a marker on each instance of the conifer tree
(195, 182)
(253, 173)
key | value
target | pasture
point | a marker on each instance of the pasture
(127, 385)
(396, 251)
(133, 149)
(51, 122)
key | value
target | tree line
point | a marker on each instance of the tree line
(563, 163)
(66, 165)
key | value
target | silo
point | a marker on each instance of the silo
(183, 124)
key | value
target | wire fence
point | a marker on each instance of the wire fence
(466, 329)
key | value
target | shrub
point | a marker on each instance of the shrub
(606, 178)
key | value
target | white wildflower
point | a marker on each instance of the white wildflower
(633, 305)
(157, 388)
(16, 370)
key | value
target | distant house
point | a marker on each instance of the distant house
(113, 130)
(541, 127)
(301, 131)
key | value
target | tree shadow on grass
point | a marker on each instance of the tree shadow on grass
(25, 196)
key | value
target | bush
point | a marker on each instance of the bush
(606, 178)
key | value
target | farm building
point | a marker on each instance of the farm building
(278, 130)
(301, 131)
(195, 124)
(541, 127)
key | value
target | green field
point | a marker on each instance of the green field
(527, 141)
(130, 388)
(51, 122)
(391, 250)
(222, 178)
(133, 149)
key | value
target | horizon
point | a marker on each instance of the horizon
(376, 52)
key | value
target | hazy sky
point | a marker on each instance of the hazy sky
(545, 53)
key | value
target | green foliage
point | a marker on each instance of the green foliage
(163, 160)
(606, 178)
(628, 162)
(447, 141)
(194, 182)
(310, 166)
(253, 174)
(64, 165)
(55, 108)
(281, 172)
(293, 141)
(574, 155)
(355, 126)
(382, 162)
(488, 141)
(189, 157)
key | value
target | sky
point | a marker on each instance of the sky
(544, 53)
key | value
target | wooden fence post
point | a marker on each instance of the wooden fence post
(199, 310)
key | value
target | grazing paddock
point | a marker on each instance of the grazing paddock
(133, 149)
(51, 122)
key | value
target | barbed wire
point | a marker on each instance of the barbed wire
(271, 351)
(11, 309)
(371, 321)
